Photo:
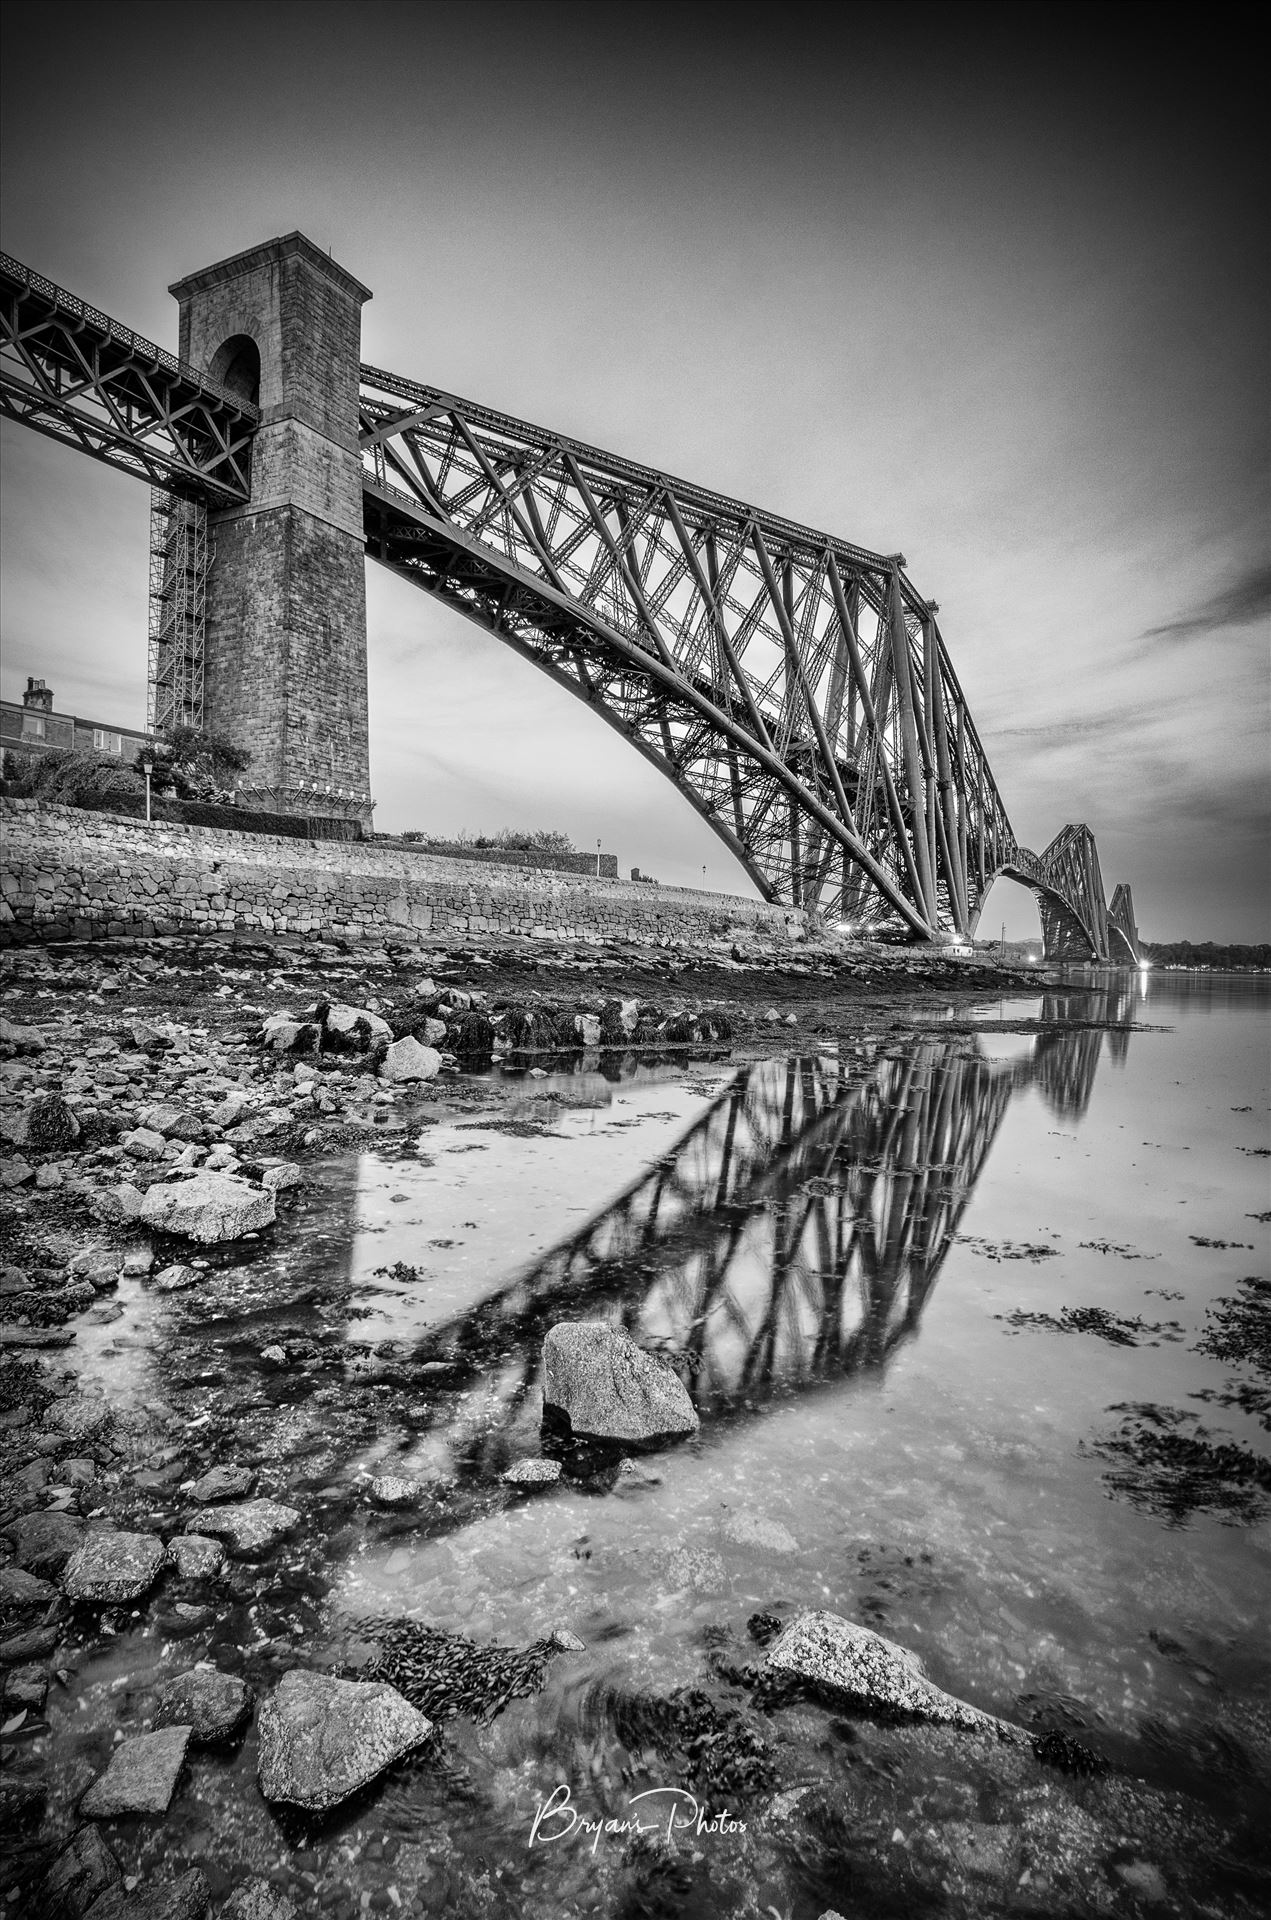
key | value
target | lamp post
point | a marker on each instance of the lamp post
(147, 767)
(597, 859)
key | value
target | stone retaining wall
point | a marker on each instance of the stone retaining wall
(73, 875)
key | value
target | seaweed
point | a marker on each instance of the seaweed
(1174, 1474)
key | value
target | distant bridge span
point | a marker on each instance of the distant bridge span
(795, 688)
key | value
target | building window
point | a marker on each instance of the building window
(106, 742)
(32, 726)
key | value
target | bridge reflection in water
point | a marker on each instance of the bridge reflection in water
(793, 1235)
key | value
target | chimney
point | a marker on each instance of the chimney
(38, 696)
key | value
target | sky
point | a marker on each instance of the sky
(986, 285)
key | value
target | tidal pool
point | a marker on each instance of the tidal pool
(952, 1312)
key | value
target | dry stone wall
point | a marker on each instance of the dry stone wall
(73, 875)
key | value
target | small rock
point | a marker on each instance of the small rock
(274, 1356)
(566, 1642)
(23, 1589)
(407, 1060)
(23, 1802)
(99, 1265)
(143, 1143)
(196, 1558)
(26, 1687)
(188, 1616)
(174, 1123)
(322, 1739)
(16, 1039)
(282, 1034)
(833, 1652)
(186, 1898)
(83, 1871)
(215, 1706)
(254, 1526)
(355, 1029)
(44, 1542)
(141, 1777)
(32, 1645)
(208, 1207)
(137, 1263)
(117, 1205)
(609, 1387)
(223, 1483)
(750, 1530)
(48, 1177)
(531, 1473)
(173, 1278)
(145, 1037)
(587, 1026)
(696, 1567)
(282, 1178)
(388, 1491)
(110, 1567)
(15, 1172)
(1145, 1880)
(257, 1900)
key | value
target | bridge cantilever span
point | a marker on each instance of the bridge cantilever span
(82, 378)
(795, 687)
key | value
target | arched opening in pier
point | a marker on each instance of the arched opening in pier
(236, 367)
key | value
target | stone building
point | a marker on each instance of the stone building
(33, 725)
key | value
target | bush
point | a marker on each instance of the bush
(195, 765)
(74, 778)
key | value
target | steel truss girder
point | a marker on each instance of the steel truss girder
(794, 687)
(78, 376)
(1077, 923)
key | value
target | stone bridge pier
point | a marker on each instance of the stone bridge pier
(285, 645)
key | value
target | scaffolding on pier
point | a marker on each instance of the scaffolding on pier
(178, 611)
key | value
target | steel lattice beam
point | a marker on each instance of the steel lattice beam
(794, 687)
(77, 375)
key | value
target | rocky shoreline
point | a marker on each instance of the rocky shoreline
(168, 1107)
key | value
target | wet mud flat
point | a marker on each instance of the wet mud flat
(308, 1430)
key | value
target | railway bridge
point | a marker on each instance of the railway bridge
(795, 688)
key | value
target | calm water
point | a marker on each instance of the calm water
(838, 1251)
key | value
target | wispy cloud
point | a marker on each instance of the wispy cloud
(1243, 603)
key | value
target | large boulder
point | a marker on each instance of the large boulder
(111, 1567)
(208, 1207)
(214, 1705)
(835, 1653)
(49, 1125)
(352, 1029)
(44, 1542)
(248, 1526)
(83, 1871)
(407, 1060)
(188, 1897)
(323, 1739)
(609, 1387)
(141, 1777)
